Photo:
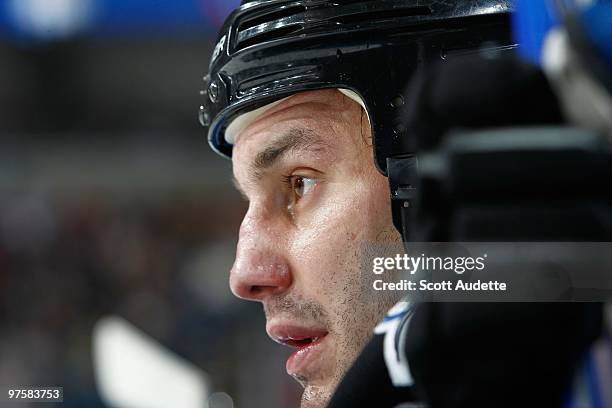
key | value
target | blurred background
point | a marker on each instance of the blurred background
(111, 201)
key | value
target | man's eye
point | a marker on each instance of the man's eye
(301, 185)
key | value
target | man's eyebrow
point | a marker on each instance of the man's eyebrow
(294, 140)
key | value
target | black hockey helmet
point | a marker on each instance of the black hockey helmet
(270, 49)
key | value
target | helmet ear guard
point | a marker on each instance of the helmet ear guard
(271, 49)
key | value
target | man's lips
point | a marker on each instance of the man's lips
(306, 340)
(295, 336)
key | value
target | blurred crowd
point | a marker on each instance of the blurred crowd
(158, 260)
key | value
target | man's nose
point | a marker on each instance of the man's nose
(259, 270)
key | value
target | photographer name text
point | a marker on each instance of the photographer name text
(414, 264)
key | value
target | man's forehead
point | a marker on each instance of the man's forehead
(269, 146)
(313, 113)
(292, 105)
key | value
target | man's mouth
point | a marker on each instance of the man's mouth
(300, 343)
(308, 342)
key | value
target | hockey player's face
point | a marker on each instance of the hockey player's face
(306, 168)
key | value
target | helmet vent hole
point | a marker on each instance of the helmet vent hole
(271, 16)
(371, 16)
(268, 26)
(266, 36)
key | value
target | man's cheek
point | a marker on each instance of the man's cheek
(326, 255)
